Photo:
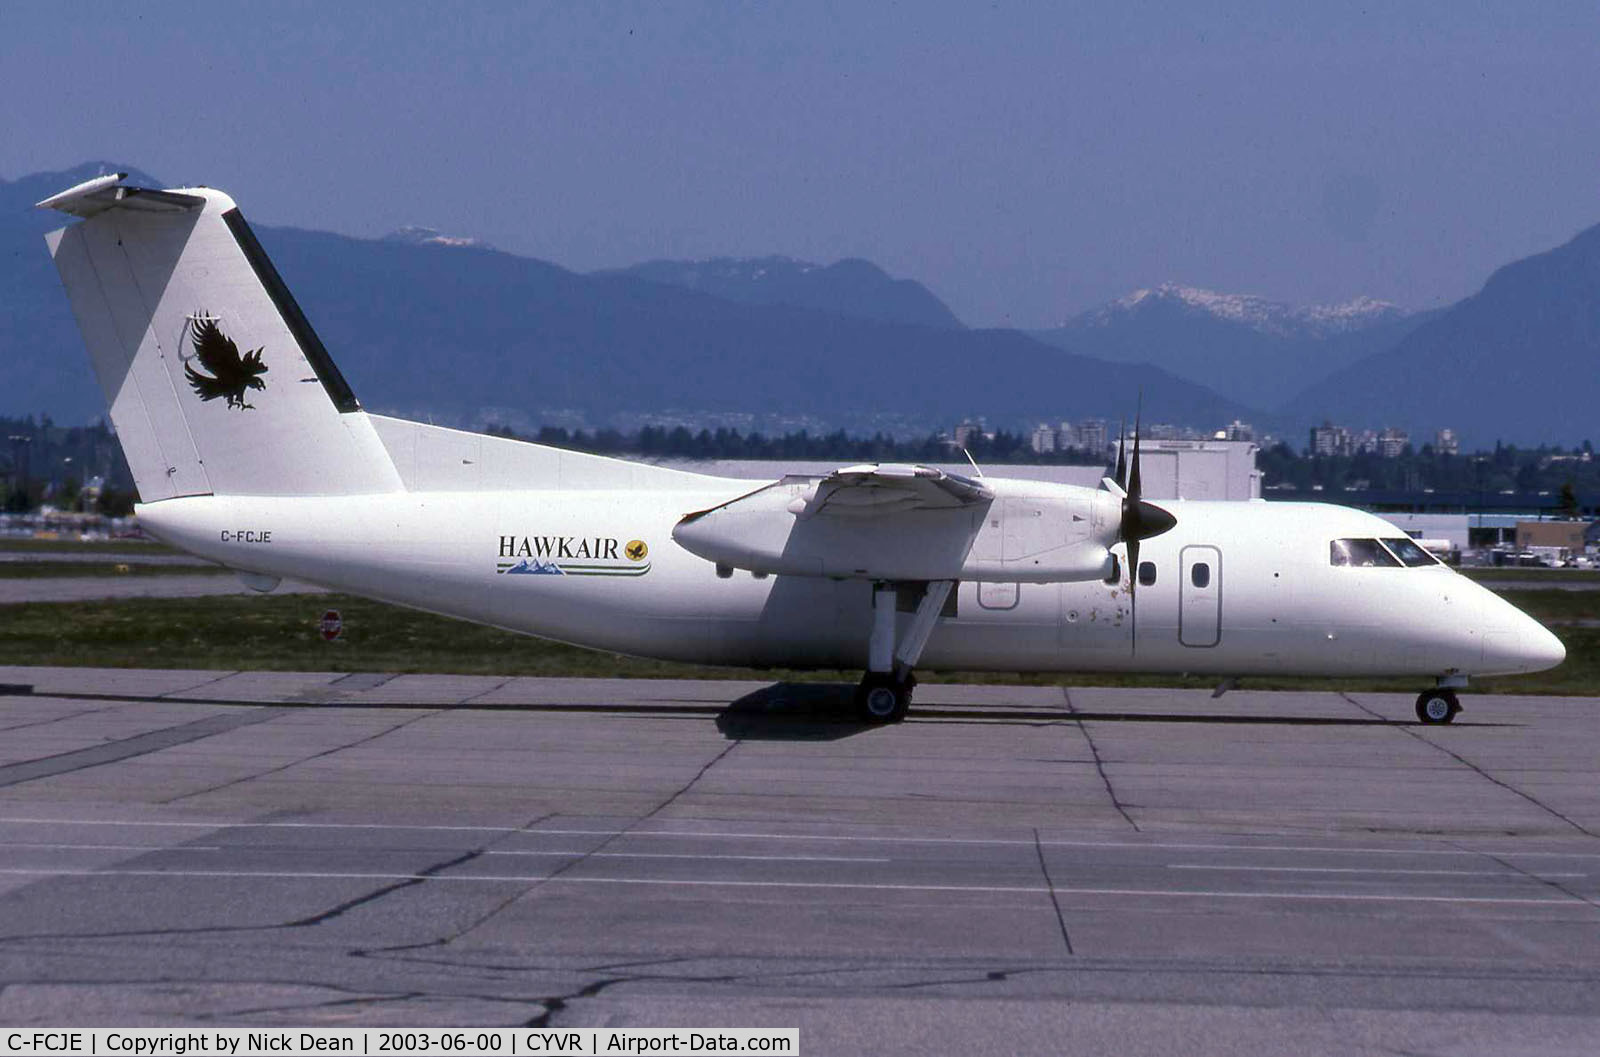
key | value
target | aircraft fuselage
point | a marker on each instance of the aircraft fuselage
(1237, 589)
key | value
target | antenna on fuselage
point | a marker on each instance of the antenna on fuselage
(972, 462)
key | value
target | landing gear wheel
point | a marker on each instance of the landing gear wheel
(881, 698)
(1437, 706)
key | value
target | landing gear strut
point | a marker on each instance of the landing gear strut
(1437, 706)
(885, 691)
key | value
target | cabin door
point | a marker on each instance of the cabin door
(1200, 596)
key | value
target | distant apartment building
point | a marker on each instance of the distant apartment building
(1445, 443)
(966, 431)
(1237, 430)
(1092, 434)
(1330, 440)
(1392, 442)
(1043, 441)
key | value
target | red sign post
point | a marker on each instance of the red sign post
(331, 625)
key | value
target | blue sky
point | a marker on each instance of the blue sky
(1026, 161)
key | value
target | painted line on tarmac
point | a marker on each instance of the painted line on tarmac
(1359, 870)
(538, 879)
(42, 846)
(694, 855)
(1462, 851)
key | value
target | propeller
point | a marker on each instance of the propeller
(1141, 519)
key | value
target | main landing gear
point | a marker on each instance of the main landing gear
(1437, 706)
(885, 691)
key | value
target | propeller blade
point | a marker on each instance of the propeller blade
(1140, 519)
(1133, 587)
(1133, 471)
(1122, 462)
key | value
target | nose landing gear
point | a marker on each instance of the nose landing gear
(1437, 706)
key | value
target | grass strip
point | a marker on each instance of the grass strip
(64, 545)
(1531, 574)
(48, 570)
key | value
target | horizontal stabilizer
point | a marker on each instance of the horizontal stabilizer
(93, 197)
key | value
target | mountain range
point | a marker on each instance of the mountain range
(851, 287)
(430, 328)
(1259, 352)
(447, 329)
(1516, 361)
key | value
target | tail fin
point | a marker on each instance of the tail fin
(215, 380)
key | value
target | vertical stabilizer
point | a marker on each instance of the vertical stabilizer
(215, 380)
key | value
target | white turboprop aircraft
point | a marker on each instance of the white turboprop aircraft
(263, 460)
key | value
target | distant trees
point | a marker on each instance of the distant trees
(681, 442)
(1507, 468)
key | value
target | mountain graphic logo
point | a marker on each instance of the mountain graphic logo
(535, 568)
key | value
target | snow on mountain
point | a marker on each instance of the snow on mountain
(851, 287)
(1257, 313)
(415, 235)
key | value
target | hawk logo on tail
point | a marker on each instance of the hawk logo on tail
(231, 374)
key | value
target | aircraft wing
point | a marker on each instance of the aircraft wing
(868, 489)
(878, 489)
(881, 521)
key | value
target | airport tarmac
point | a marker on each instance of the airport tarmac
(1012, 870)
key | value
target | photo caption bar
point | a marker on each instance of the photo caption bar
(404, 1042)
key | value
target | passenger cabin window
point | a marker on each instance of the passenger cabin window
(1200, 574)
(1360, 552)
(1407, 550)
(1147, 573)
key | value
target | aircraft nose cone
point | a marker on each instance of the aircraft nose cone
(1530, 647)
(1540, 648)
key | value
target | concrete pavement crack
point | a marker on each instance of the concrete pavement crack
(565, 868)
(1099, 764)
(1507, 786)
(304, 759)
(1055, 900)
(378, 893)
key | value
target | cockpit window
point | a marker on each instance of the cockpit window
(1360, 552)
(1408, 551)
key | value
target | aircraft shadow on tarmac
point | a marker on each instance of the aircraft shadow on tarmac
(780, 712)
(793, 712)
(826, 712)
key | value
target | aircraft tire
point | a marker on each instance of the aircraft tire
(882, 698)
(1437, 706)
